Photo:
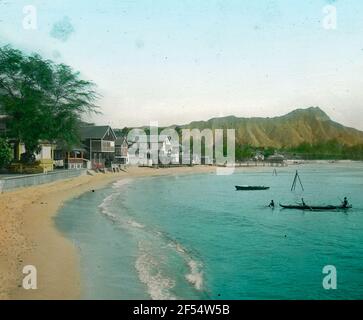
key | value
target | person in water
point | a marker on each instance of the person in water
(345, 202)
(272, 204)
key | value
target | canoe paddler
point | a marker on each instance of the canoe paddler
(345, 203)
(272, 204)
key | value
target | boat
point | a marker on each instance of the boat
(311, 208)
(249, 188)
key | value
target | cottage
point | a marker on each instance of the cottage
(44, 157)
(121, 151)
(99, 142)
(70, 159)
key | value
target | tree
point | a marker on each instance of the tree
(44, 100)
(5, 153)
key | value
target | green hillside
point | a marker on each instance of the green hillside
(311, 126)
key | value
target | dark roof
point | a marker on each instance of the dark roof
(94, 132)
(78, 147)
(120, 140)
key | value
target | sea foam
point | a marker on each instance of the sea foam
(147, 264)
(195, 275)
(158, 285)
(108, 207)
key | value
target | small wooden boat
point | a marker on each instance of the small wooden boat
(250, 188)
(311, 208)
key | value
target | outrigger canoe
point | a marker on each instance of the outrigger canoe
(306, 207)
(248, 188)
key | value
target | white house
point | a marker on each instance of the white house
(259, 156)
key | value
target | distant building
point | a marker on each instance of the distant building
(259, 156)
(99, 142)
(277, 159)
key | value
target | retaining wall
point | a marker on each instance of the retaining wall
(11, 183)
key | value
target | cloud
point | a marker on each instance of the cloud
(62, 29)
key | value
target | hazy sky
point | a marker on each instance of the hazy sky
(177, 61)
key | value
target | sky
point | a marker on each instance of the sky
(175, 61)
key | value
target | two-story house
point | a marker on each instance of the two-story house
(99, 142)
(121, 151)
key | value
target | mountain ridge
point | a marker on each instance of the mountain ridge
(310, 125)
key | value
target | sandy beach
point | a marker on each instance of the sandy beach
(28, 235)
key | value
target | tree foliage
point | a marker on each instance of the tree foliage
(5, 153)
(44, 100)
(330, 149)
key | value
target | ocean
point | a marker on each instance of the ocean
(195, 237)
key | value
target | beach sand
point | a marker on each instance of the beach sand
(28, 235)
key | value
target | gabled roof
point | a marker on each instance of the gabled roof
(96, 132)
(78, 147)
(120, 140)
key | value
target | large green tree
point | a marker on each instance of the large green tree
(44, 100)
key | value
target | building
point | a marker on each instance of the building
(121, 151)
(259, 156)
(72, 159)
(99, 142)
(276, 159)
(44, 158)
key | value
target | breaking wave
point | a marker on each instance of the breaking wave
(121, 183)
(158, 285)
(148, 261)
(195, 275)
(107, 209)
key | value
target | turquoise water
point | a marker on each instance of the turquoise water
(195, 237)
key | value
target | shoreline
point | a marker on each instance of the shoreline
(28, 235)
